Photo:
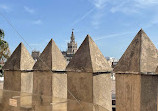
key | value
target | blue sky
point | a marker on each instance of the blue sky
(111, 23)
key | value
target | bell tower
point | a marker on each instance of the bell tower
(72, 46)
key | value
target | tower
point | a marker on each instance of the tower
(35, 54)
(72, 46)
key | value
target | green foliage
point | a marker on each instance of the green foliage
(4, 50)
(1, 34)
(4, 47)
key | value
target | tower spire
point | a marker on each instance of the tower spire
(72, 36)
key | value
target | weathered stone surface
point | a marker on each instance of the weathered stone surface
(42, 83)
(91, 89)
(88, 58)
(102, 91)
(26, 89)
(156, 70)
(81, 86)
(19, 60)
(12, 80)
(27, 82)
(51, 59)
(59, 104)
(18, 81)
(81, 106)
(1, 95)
(53, 86)
(25, 100)
(59, 85)
(136, 92)
(5, 105)
(140, 56)
(128, 92)
(149, 92)
(42, 86)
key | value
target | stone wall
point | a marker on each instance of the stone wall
(85, 83)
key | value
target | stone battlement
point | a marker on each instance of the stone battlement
(87, 77)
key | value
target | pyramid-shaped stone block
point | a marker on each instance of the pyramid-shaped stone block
(140, 56)
(88, 58)
(51, 59)
(19, 60)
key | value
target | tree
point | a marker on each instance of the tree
(4, 47)
(4, 50)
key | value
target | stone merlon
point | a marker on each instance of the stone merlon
(139, 57)
(51, 59)
(19, 60)
(88, 58)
